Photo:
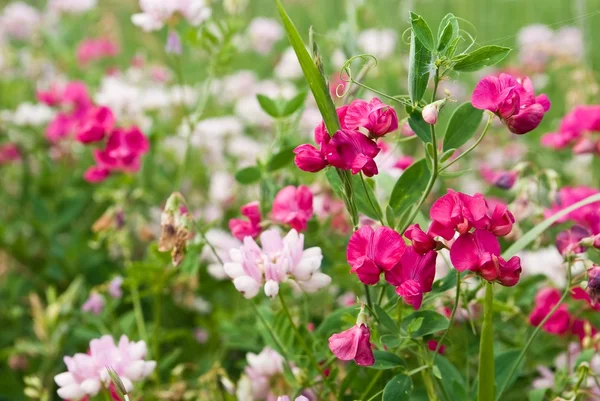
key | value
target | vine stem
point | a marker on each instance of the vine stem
(466, 152)
(304, 345)
(371, 385)
(452, 316)
(486, 389)
(137, 310)
(534, 334)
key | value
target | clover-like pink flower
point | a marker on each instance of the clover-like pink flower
(512, 100)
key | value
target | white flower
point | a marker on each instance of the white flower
(288, 66)
(30, 114)
(72, 6)
(222, 241)
(378, 42)
(156, 12)
(20, 20)
(263, 33)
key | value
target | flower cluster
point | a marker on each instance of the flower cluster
(580, 128)
(155, 13)
(255, 383)
(279, 260)
(86, 373)
(349, 148)
(90, 50)
(513, 100)
(292, 206)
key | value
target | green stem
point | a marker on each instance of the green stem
(371, 385)
(534, 334)
(466, 152)
(381, 294)
(368, 296)
(427, 379)
(371, 201)
(452, 315)
(486, 390)
(304, 345)
(137, 310)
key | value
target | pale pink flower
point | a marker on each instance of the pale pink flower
(114, 287)
(90, 50)
(94, 304)
(263, 33)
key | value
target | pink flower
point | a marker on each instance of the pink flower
(90, 50)
(593, 287)
(114, 287)
(371, 251)
(499, 178)
(432, 345)
(457, 211)
(354, 343)
(376, 117)
(421, 241)
(413, 276)
(545, 300)
(86, 373)
(60, 127)
(569, 241)
(512, 100)
(9, 152)
(351, 150)
(96, 174)
(261, 369)
(431, 111)
(308, 158)
(404, 162)
(96, 124)
(247, 228)
(51, 97)
(577, 127)
(293, 206)
(500, 220)
(123, 150)
(94, 304)
(479, 252)
(201, 335)
(278, 260)
(568, 196)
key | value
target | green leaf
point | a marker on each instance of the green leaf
(409, 187)
(422, 31)
(483, 57)
(398, 389)
(418, 70)
(390, 216)
(445, 284)
(336, 321)
(269, 106)
(419, 126)
(504, 362)
(313, 76)
(536, 231)
(386, 360)
(462, 126)
(293, 104)
(452, 381)
(537, 395)
(584, 356)
(248, 175)
(447, 31)
(280, 159)
(360, 195)
(385, 319)
(390, 340)
(432, 323)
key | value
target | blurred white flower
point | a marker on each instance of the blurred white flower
(156, 12)
(288, 66)
(235, 86)
(19, 20)
(548, 262)
(263, 33)
(569, 44)
(378, 42)
(29, 114)
(222, 241)
(72, 6)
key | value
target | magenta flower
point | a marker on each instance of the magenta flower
(587, 215)
(545, 300)
(97, 123)
(413, 276)
(9, 152)
(96, 174)
(308, 158)
(354, 343)
(351, 150)
(376, 117)
(503, 179)
(90, 50)
(593, 287)
(512, 100)
(581, 127)
(480, 252)
(404, 162)
(457, 211)
(569, 241)
(293, 206)
(371, 252)
(421, 241)
(500, 220)
(247, 228)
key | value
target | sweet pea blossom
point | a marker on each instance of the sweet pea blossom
(250, 227)
(480, 252)
(354, 343)
(95, 125)
(376, 117)
(579, 128)
(9, 152)
(351, 150)
(593, 287)
(371, 252)
(94, 304)
(503, 179)
(413, 276)
(545, 300)
(156, 12)
(286, 398)
(512, 100)
(90, 50)
(293, 206)
(86, 373)
(421, 241)
(278, 260)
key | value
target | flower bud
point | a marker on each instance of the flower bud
(431, 111)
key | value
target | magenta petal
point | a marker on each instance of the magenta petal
(388, 247)
(308, 158)
(486, 93)
(367, 271)
(364, 352)
(527, 120)
(463, 254)
(544, 101)
(358, 244)
(344, 345)
(357, 114)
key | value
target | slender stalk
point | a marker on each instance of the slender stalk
(452, 316)
(466, 152)
(368, 296)
(304, 345)
(371, 201)
(137, 310)
(381, 294)
(486, 390)
(427, 379)
(534, 334)
(371, 385)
